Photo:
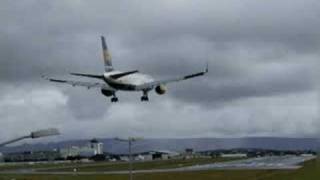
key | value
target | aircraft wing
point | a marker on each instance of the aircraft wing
(82, 83)
(153, 84)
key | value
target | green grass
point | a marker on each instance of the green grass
(110, 166)
(310, 171)
(7, 167)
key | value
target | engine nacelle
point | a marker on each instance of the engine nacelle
(161, 89)
(106, 92)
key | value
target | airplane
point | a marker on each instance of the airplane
(113, 80)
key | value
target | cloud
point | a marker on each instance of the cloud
(26, 110)
(259, 53)
(256, 116)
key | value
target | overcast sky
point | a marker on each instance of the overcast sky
(263, 59)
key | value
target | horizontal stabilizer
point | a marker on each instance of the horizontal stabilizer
(88, 75)
(119, 75)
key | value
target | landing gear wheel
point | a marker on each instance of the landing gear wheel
(144, 98)
(114, 99)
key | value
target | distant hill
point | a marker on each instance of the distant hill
(198, 144)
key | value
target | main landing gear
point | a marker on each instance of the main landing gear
(145, 97)
(114, 98)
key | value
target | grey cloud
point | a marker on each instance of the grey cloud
(255, 49)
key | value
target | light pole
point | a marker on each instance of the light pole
(33, 135)
(129, 140)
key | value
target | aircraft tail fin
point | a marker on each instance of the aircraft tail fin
(106, 56)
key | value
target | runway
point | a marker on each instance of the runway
(271, 162)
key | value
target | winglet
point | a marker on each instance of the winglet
(44, 77)
(207, 67)
(103, 42)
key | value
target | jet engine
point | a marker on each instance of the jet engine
(161, 89)
(106, 92)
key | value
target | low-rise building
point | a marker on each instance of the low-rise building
(91, 149)
(157, 155)
(28, 156)
(235, 155)
(69, 152)
(96, 146)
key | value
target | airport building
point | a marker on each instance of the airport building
(150, 155)
(234, 155)
(28, 156)
(189, 153)
(71, 151)
(94, 147)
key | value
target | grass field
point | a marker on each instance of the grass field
(310, 171)
(33, 166)
(111, 166)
